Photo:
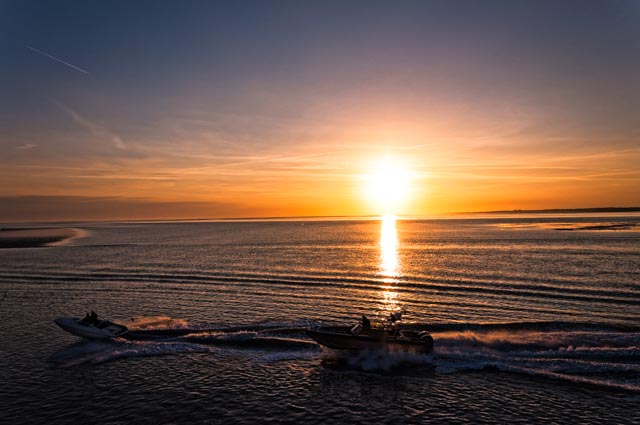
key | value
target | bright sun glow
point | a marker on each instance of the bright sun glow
(388, 185)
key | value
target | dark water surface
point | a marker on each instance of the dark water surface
(535, 320)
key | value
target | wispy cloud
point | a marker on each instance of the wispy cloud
(26, 146)
(57, 59)
(275, 159)
(94, 128)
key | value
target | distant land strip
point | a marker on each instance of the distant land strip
(35, 237)
(611, 226)
(565, 210)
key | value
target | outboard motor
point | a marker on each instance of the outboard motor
(426, 338)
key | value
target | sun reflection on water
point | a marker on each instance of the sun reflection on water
(389, 264)
(389, 302)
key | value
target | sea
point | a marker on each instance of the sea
(535, 319)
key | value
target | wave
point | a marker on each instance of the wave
(97, 352)
(491, 301)
(593, 354)
(148, 323)
(583, 353)
(161, 335)
(462, 284)
(167, 327)
(541, 326)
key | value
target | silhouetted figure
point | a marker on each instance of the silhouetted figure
(87, 318)
(394, 317)
(366, 323)
(93, 318)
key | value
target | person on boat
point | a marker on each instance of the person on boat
(87, 318)
(366, 323)
(395, 317)
(93, 318)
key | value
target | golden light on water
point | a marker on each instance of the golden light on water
(389, 302)
(389, 263)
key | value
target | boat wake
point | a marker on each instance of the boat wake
(157, 336)
(97, 352)
(583, 353)
(147, 323)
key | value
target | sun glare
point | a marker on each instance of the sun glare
(388, 185)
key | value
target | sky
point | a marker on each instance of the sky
(203, 109)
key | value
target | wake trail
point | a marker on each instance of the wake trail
(593, 354)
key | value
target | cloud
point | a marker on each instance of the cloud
(26, 146)
(94, 128)
(67, 208)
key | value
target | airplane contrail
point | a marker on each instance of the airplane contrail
(58, 60)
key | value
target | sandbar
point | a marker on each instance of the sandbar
(36, 237)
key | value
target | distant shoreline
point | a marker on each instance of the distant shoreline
(449, 215)
(562, 211)
(36, 237)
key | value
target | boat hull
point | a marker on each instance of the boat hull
(76, 326)
(342, 339)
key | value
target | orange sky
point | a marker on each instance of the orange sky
(282, 111)
(330, 178)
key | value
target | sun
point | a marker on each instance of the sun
(388, 185)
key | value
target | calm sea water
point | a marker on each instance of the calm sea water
(534, 320)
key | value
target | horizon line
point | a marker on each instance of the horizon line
(562, 211)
